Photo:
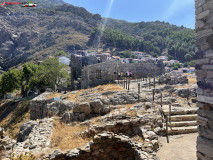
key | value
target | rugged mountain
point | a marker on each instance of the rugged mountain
(41, 3)
(31, 34)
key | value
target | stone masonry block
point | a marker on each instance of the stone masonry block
(202, 15)
(205, 146)
(207, 67)
(199, 3)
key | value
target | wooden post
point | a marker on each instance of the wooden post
(154, 82)
(170, 113)
(161, 99)
(166, 125)
(128, 83)
(149, 83)
(153, 95)
(124, 82)
(139, 87)
(188, 95)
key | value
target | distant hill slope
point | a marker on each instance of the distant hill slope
(158, 36)
(33, 34)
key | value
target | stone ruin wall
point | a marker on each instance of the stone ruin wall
(145, 69)
(204, 72)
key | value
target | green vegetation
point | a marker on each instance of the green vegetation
(176, 66)
(151, 37)
(32, 76)
(189, 64)
(60, 53)
(127, 54)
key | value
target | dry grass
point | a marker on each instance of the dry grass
(20, 114)
(76, 96)
(67, 137)
(192, 80)
(96, 120)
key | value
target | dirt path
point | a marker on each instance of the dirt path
(180, 147)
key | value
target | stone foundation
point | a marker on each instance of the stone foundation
(106, 146)
(204, 72)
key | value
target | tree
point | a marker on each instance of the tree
(175, 67)
(28, 72)
(60, 53)
(53, 72)
(188, 57)
(10, 81)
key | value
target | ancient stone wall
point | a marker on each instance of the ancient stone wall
(106, 146)
(41, 107)
(204, 72)
(108, 71)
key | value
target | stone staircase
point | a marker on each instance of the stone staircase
(182, 121)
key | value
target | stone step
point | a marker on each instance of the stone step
(187, 117)
(182, 124)
(182, 130)
(176, 105)
(180, 112)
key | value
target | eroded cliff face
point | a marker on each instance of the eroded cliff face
(32, 34)
(204, 52)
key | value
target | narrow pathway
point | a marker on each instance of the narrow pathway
(180, 147)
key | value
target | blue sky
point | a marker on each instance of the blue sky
(178, 12)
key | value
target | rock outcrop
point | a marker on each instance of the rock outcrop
(34, 137)
(172, 79)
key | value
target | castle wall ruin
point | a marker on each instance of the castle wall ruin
(204, 72)
(106, 72)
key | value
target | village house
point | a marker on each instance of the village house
(116, 57)
(136, 53)
(108, 55)
(164, 58)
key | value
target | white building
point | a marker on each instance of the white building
(64, 60)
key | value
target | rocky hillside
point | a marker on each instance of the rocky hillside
(31, 34)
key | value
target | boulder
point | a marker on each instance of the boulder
(25, 130)
(65, 106)
(96, 106)
(58, 108)
(157, 130)
(173, 79)
(82, 108)
(1, 132)
(148, 105)
(183, 92)
(66, 117)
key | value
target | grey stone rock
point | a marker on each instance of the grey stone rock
(157, 130)
(1, 132)
(66, 117)
(96, 106)
(81, 116)
(148, 105)
(82, 108)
